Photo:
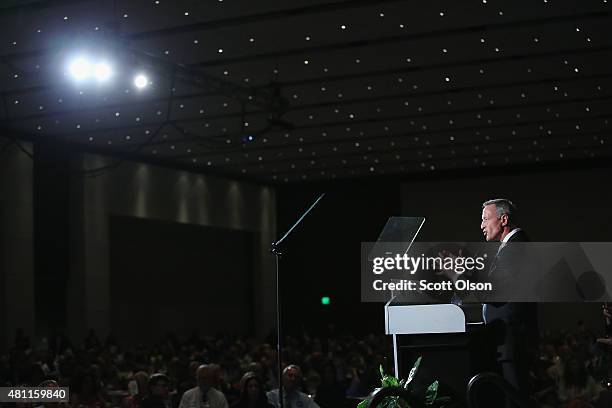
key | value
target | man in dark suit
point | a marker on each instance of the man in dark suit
(513, 325)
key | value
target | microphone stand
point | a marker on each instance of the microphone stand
(607, 322)
(274, 248)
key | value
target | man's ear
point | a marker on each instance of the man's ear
(504, 220)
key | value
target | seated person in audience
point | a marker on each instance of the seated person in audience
(576, 386)
(158, 395)
(86, 392)
(189, 381)
(49, 384)
(293, 397)
(141, 389)
(252, 394)
(219, 380)
(204, 395)
(261, 373)
(607, 340)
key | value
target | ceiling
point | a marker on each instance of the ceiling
(314, 89)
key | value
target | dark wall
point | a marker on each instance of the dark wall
(51, 236)
(160, 193)
(3, 305)
(179, 277)
(560, 205)
(17, 298)
(321, 257)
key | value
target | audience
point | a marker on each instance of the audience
(159, 392)
(572, 369)
(330, 392)
(85, 391)
(50, 384)
(204, 394)
(138, 388)
(292, 396)
(252, 394)
(576, 384)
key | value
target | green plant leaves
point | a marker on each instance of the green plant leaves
(387, 380)
(413, 371)
(390, 402)
(431, 394)
(429, 399)
(364, 403)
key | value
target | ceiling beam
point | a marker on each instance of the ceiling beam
(294, 108)
(17, 7)
(344, 5)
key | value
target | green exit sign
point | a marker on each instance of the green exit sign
(325, 300)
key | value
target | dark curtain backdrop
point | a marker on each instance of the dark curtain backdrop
(3, 346)
(554, 205)
(321, 258)
(169, 276)
(52, 251)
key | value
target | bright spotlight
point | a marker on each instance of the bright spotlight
(141, 81)
(102, 71)
(80, 68)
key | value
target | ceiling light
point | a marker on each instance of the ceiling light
(80, 68)
(102, 71)
(141, 81)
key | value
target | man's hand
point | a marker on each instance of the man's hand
(449, 272)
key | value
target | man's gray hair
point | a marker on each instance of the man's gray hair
(503, 206)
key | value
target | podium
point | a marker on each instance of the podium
(421, 319)
(453, 349)
(451, 339)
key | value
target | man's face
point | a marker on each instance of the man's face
(206, 378)
(291, 378)
(161, 389)
(253, 389)
(492, 226)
